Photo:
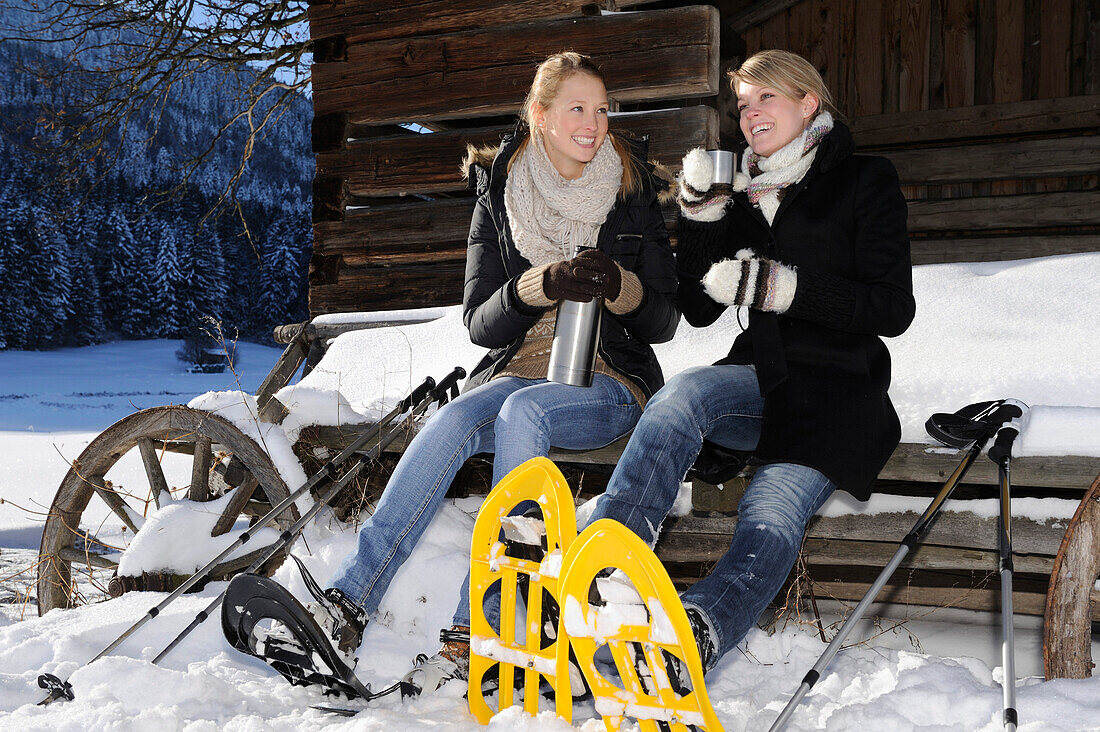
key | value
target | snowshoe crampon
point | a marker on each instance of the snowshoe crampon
(647, 634)
(261, 618)
(520, 551)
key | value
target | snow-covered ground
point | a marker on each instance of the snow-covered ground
(1024, 330)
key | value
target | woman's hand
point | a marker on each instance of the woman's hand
(749, 281)
(560, 282)
(699, 198)
(595, 266)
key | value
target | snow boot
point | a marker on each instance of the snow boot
(452, 661)
(643, 624)
(263, 619)
(521, 553)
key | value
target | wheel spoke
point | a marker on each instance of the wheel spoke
(70, 554)
(236, 505)
(153, 470)
(115, 502)
(200, 470)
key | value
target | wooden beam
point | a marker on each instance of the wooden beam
(359, 21)
(910, 462)
(1044, 116)
(1004, 214)
(645, 56)
(1000, 248)
(403, 233)
(684, 544)
(756, 14)
(1032, 158)
(402, 164)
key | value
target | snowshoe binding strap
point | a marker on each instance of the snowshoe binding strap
(306, 658)
(978, 421)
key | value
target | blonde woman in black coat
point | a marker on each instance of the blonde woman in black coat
(812, 241)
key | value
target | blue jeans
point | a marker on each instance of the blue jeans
(517, 419)
(722, 404)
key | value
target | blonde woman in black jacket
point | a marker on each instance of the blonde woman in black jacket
(812, 241)
(560, 183)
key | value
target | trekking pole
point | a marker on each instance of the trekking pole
(979, 428)
(62, 689)
(1001, 454)
(290, 534)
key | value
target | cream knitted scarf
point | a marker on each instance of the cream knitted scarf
(551, 216)
(783, 168)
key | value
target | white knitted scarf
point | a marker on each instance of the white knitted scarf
(551, 216)
(784, 167)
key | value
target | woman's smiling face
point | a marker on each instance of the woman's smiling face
(770, 120)
(574, 125)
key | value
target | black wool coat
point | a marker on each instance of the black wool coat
(633, 235)
(823, 367)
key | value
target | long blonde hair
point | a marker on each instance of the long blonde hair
(788, 73)
(551, 74)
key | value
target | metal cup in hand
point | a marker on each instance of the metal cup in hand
(725, 166)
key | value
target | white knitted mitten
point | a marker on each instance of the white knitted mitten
(749, 281)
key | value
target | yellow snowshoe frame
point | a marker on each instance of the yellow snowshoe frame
(537, 480)
(604, 544)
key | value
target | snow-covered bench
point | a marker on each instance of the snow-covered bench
(1023, 329)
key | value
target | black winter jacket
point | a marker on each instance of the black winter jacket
(823, 369)
(633, 235)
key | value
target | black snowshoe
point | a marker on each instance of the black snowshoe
(261, 618)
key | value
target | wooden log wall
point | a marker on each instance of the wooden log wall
(988, 108)
(391, 208)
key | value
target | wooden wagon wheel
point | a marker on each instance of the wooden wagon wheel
(1067, 624)
(221, 458)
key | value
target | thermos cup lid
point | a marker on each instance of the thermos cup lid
(725, 165)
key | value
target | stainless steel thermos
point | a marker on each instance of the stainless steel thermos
(576, 335)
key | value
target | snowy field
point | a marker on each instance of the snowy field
(1024, 330)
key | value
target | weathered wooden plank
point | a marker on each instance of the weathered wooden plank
(683, 544)
(891, 90)
(999, 214)
(999, 249)
(868, 59)
(962, 596)
(756, 14)
(1054, 48)
(1067, 114)
(1008, 63)
(936, 61)
(1036, 158)
(958, 50)
(429, 163)
(963, 530)
(424, 230)
(910, 462)
(914, 55)
(800, 29)
(359, 21)
(652, 55)
(389, 288)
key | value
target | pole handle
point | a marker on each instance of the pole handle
(449, 383)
